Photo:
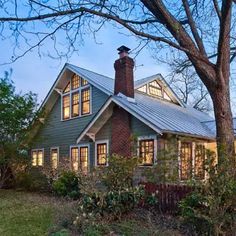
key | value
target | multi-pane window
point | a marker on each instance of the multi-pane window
(37, 157)
(85, 101)
(84, 159)
(75, 104)
(102, 154)
(192, 161)
(155, 89)
(186, 160)
(75, 82)
(75, 158)
(67, 88)
(54, 158)
(79, 158)
(199, 163)
(146, 151)
(83, 82)
(66, 107)
(143, 89)
(76, 98)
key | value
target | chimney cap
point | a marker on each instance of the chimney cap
(123, 49)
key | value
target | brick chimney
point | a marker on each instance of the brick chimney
(124, 83)
(124, 78)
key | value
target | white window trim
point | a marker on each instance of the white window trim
(79, 146)
(148, 137)
(193, 146)
(37, 149)
(58, 155)
(99, 142)
(80, 103)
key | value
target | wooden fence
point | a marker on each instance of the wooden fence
(169, 195)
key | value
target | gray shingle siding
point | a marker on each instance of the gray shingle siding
(63, 134)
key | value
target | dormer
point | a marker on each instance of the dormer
(155, 86)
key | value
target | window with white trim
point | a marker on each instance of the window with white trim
(192, 160)
(155, 89)
(76, 98)
(37, 157)
(54, 157)
(146, 151)
(199, 162)
(101, 153)
(80, 158)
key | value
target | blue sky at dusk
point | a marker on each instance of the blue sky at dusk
(37, 74)
(32, 73)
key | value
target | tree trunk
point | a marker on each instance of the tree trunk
(224, 121)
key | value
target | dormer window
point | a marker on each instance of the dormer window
(76, 98)
(155, 89)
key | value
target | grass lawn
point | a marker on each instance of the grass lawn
(28, 214)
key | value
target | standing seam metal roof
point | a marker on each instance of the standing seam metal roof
(166, 116)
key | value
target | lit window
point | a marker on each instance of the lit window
(102, 154)
(84, 159)
(85, 101)
(76, 98)
(79, 159)
(166, 97)
(67, 88)
(54, 158)
(155, 89)
(66, 107)
(143, 89)
(75, 82)
(37, 157)
(199, 172)
(146, 151)
(75, 158)
(75, 104)
(186, 160)
(83, 82)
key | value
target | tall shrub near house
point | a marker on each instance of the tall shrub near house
(211, 209)
(17, 113)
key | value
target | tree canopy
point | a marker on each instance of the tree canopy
(17, 114)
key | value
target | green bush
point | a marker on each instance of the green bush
(119, 174)
(196, 222)
(211, 210)
(113, 203)
(32, 180)
(67, 185)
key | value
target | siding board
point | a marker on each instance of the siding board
(64, 133)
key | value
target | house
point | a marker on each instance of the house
(89, 116)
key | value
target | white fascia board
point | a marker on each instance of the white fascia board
(108, 102)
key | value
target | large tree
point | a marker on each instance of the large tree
(202, 30)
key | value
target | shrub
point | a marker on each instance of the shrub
(212, 209)
(32, 180)
(113, 203)
(119, 174)
(67, 185)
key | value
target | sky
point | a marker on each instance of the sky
(37, 74)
